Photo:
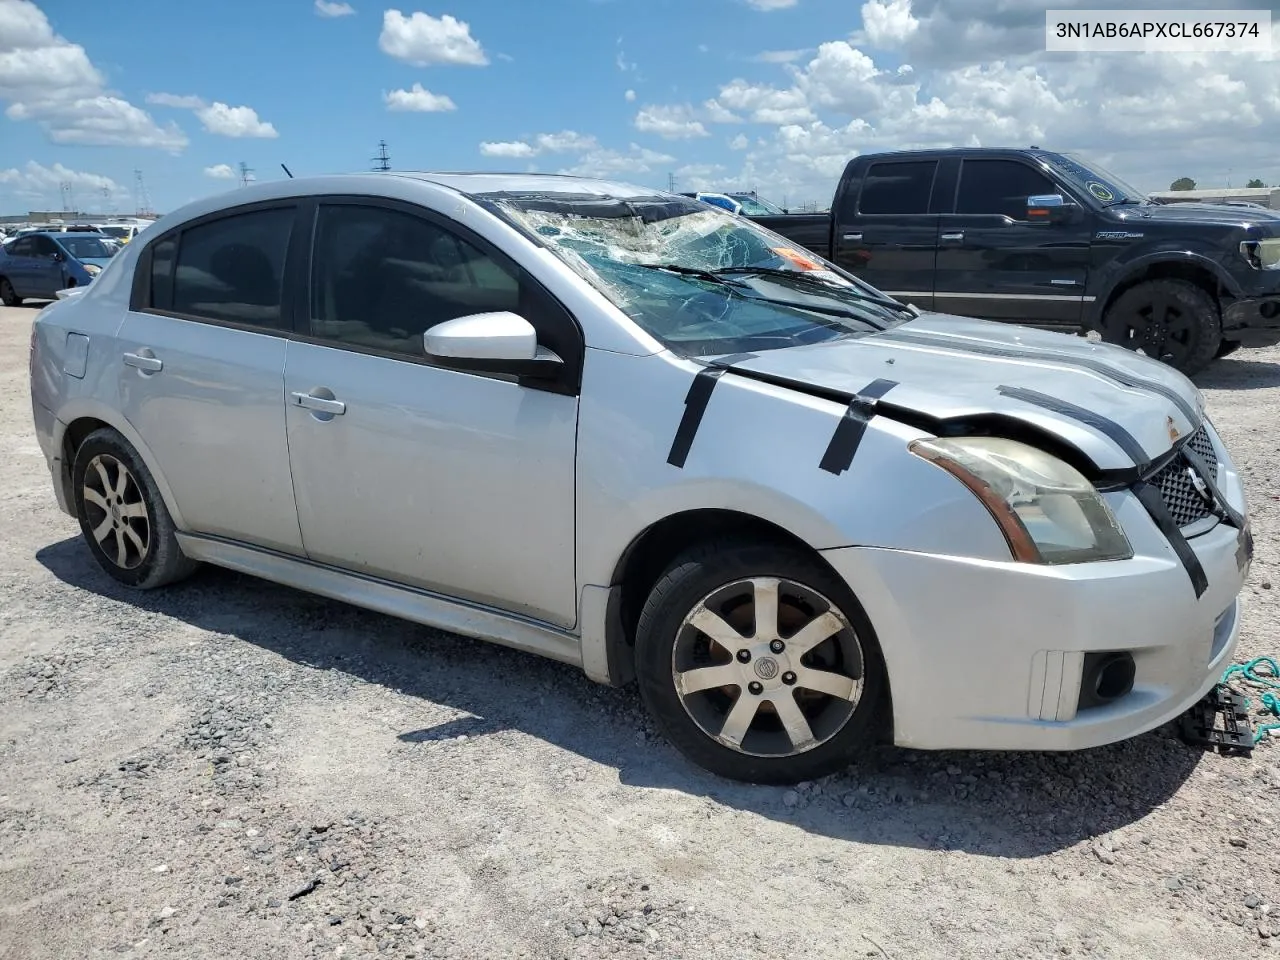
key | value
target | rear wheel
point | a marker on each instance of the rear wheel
(122, 515)
(1173, 321)
(7, 294)
(758, 663)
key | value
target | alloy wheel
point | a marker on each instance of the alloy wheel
(116, 512)
(768, 667)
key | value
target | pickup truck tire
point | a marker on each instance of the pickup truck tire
(1228, 347)
(1173, 321)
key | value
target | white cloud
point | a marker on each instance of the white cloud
(633, 161)
(888, 24)
(35, 179)
(175, 100)
(423, 40)
(767, 5)
(220, 171)
(629, 96)
(716, 112)
(566, 141)
(779, 56)
(418, 100)
(228, 121)
(766, 104)
(326, 8)
(51, 81)
(507, 148)
(670, 122)
(701, 176)
(740, 142)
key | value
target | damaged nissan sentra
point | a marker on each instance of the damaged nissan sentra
(649, 438)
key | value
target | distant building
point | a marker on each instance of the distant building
(1262, 196)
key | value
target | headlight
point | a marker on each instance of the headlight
(92, 269)
(1047, 510)
(1262, 254)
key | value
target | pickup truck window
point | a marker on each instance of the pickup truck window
(898, 187)
(999, 187)
(702, 281)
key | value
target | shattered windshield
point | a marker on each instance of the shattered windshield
(702, 281)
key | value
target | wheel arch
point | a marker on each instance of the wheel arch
(1193, 268)
(82, 417)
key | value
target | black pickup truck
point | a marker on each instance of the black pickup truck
(1049, 240)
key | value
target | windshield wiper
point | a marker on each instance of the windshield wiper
(827, 286)
(1124, 200)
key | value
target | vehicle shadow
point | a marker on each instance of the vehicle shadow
(1012, 805)
(1235, 373)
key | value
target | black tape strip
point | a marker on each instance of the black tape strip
(1121, 377)
(1233, 516)
(695, 405)
(1122, 437)
(844, 442)
(1149, 497)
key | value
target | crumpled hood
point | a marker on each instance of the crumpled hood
(949, 367)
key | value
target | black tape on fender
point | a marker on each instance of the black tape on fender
(1122, 437)
(1150, 498)
(695, 405)
(844, 442)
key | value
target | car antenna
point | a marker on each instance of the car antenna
(286, 170)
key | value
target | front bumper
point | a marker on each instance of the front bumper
(987, 655)
(1253, 321)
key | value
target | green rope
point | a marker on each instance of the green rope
(1250, 673)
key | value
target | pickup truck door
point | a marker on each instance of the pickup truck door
(884, 232)
(995, 264)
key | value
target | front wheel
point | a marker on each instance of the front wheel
(1173, 321)
(758, 663)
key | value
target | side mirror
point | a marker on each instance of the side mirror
(501, 342)
(57, 256)
(1050, 208)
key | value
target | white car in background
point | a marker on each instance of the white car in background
(649, 438)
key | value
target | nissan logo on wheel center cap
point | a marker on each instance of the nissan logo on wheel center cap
(766, 668)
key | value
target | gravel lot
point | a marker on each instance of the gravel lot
(235, 769)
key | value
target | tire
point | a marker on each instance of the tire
(122, 515)
(7, 294)
(705, 723)
(1227, 348)
(1173, 321)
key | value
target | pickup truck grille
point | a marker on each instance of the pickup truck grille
(1176, 486)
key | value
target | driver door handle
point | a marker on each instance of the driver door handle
(148, 364)
(322, 404)
(953, 237)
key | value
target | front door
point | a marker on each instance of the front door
(457, 483)
(884, 232)
(201, 374)
(995, 264)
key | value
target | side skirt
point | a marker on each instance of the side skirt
(396, 600)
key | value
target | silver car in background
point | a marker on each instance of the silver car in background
(642, 436)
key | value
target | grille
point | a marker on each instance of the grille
(1176, 488)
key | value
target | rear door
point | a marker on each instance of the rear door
(884, 231)
(19, 266)
(46, 272)
(201, 357)
(996, 264)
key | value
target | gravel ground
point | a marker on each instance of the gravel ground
(234, 769)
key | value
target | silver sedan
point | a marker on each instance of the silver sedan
(646, 437)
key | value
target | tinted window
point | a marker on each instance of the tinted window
(162, 273)
(999, 186)
(22, 247)
(44, 247)
(232, 269)
(382, 277)
(898, 187)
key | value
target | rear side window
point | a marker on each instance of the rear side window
(162, 273)
(901, 187)
(231, 269)
(999, 187)
(22, 247)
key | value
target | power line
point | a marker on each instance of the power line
(383, 159)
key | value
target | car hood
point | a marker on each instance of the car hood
(96, 261)
(1198, 213)
(952, 368)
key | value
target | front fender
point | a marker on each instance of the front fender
(79, 408)
(1134, 261)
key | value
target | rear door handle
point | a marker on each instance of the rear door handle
(145, 363)
(953, 236)
(321, 404)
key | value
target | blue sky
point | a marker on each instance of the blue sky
(775, 94)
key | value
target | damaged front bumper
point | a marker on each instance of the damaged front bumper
(1253, 321)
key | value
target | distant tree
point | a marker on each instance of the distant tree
(1255, 182)
(1183, 183)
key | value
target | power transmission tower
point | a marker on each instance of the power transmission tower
(109, 200)
(65, 188)
(382, 160)
(246, 174)
(142, 201)
(671, 183)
